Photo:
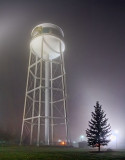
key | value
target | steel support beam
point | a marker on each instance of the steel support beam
(47, 107)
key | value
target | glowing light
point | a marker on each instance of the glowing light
(59, 140)
(112, 137)
(62, 143)
(81, 137)
(116, 132)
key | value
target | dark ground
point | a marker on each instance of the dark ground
(56, 153)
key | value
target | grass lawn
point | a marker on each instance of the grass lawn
(52, 153)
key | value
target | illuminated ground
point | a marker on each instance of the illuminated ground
(45, 153)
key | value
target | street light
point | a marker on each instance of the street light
(59, 140)
(82, 138)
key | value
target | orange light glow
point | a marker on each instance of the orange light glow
(62, 143)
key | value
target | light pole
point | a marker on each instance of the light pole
(116, 134)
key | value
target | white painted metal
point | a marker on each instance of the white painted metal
(64, 92)
(45, 100)
(21, 138)
(51, 46)
(51, 41)
(51, 79)
(34, 93)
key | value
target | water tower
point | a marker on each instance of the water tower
(45, 110)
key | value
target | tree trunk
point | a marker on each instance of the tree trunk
(99, 148)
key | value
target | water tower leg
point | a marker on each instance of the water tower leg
(21, 138)
(51, 71)
(47, 100)
(64, 93)
(33, 109)
(39, 110)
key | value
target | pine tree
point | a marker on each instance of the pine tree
(99, 130)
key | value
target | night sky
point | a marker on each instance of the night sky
(94, 58)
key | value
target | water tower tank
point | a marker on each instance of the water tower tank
(52, 36)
